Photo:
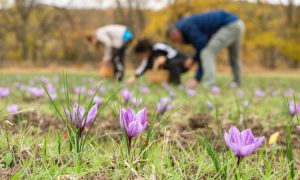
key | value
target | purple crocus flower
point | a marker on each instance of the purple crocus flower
(245, 103)
(240, 93)
(289, 93)
(136, 101)
(294, 108)
(13, 109)
(91, 92)
(51, 90)
(298, 127)
(164, 105)
(98, 100)
(4, 92)
(80, 90)
(210, 105)
(102, 89)
(215, 90)
(242, 143)
(78, 118)
(126, 95)
(134, 123)
(259, 93)
(233, 85)
(144, 90)
(36, 91)
(191, 92)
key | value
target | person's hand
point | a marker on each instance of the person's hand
(188, 63)
(161, 60)
(131, 80)
(192, 83)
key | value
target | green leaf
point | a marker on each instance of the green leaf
(8, 159)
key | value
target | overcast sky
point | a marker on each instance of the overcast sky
(154, 4)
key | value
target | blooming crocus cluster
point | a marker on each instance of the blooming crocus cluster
(215, 90)
(13, 109)
(133, 123)
(126, 95)
(294, 108)
(242, 143)
(79, 118)
(164, 105)
(4, 92)
(259, 93)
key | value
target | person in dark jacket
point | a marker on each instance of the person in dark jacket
(209, 33)
(160, 54)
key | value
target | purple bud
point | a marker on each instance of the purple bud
(136, 101)
(191, 92)
(259, 93)
(294, 108)
(98, 100)
(164, 105)
(4, 92)
(13, 109)
(127, 95)
(298, 127)
(215, 90)
(144, 90)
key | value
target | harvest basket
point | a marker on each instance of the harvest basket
(157, 76)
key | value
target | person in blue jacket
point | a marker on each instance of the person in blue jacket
(209, 33)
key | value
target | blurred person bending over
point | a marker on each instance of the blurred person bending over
(209, 33)
(160, 54)
(115, 39)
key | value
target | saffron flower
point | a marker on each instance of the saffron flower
(164, 105)
(126, 95)
(191, 92)
(245, 103)
(133, 123)
(210, 105)
(4, 92)
(78, 117)
(136, 101)
(98, 100)
(13, 109)
(259, 93)
(242, 143)
(36, 91)
(51, 90)
(80, 90)
(289, 93)
(215, 90)
(234, 85)
(144, 90)
(294, 108)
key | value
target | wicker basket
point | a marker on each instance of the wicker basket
(106, 72)
(157, 76)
